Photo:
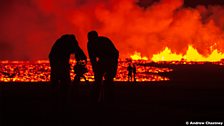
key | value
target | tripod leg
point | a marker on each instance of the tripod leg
(76, 80)
(86, 81)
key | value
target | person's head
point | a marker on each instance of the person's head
(92, 35)
(69, 40)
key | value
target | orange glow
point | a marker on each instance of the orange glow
(137, 56)
(191, 55)
(39, 71)
(166, 55)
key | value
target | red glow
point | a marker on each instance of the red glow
(28, 29)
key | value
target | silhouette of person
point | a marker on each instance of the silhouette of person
(130, 70)
(59, 59)
(134, 72)
(104, 59)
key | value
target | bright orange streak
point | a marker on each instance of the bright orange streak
(191, 55)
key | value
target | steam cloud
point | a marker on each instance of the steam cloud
(30, 27)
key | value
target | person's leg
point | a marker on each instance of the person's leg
(109, 88)
(131, 77)
(97, 86)
(111, 74)
(65, 79)
(54, 79)
(65, 83)
(134, 77)
(109, 83)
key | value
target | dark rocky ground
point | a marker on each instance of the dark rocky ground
(195, 93)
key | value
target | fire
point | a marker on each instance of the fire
(191, 55)
(137, 56)
(166, 55)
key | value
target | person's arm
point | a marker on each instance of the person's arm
(80, 55)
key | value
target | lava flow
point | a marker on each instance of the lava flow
(137, 56)
(191, 55)
(39, 71)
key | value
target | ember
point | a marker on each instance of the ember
(39, 71)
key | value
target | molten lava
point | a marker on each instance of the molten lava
(39, 71)
(191, 55)
(137, 56)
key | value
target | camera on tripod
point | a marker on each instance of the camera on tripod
(80, 69)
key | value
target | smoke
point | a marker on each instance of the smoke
(30, 27)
